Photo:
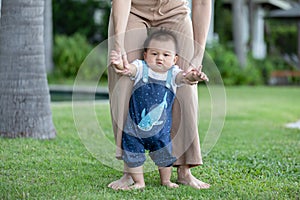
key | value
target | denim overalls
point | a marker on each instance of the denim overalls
(149, 122)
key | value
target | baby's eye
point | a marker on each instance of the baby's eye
(166, 55)
(154, 54)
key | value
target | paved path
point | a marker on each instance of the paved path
(69, 93)
(293, 125)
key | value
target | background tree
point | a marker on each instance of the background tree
(24, 94)
(238, 34)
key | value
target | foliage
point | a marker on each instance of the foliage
(223, 22)
(73, 16)
(267, 65)
(256, 72)
(281, 37)
(256, 157)
(232, 73)
(70, 54)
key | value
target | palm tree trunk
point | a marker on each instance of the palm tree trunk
(0, 8)
(48, 39)
(24, 94)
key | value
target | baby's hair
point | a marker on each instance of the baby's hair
(160, 35)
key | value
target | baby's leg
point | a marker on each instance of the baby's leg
(138, 178)
(165, 177)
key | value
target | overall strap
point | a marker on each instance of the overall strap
(169, 78)
(145, 72)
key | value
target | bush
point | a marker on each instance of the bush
(267, 65)
(281, 37)
(73, 16)
(256, 72)
(232, 73)
(70, 53)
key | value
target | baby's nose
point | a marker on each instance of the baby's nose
(160, 56)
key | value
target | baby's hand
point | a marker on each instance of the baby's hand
(194, 76)
(116, 60)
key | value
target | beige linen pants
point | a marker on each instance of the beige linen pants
(173, 15)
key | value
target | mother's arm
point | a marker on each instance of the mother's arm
(120, 14)
(201, 16)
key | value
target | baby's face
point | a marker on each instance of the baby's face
(160, 55)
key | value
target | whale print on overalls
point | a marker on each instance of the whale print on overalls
(152, 118)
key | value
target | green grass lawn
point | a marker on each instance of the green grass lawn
(256, 157)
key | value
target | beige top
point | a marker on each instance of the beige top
(158, 8)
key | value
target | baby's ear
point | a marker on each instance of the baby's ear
(175, 58)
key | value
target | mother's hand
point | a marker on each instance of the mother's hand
(124, 59)
(119, 62)
(196, 62)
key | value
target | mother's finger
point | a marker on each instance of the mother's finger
(124, 59)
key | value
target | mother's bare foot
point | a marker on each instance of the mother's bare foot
(135, 186)
(123, 183)
(170, 184)
(185, 177)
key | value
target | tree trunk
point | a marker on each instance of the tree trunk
(24, 94)
(0, 8)
(48, 35)
(238, 32)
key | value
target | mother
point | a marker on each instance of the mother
(128, 25)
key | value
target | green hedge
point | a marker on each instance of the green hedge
(256, 72)
(69, 53)
(232, 73)
(281, 37)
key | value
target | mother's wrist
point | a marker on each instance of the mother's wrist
(196, 62)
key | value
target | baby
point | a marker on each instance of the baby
(149, 119)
